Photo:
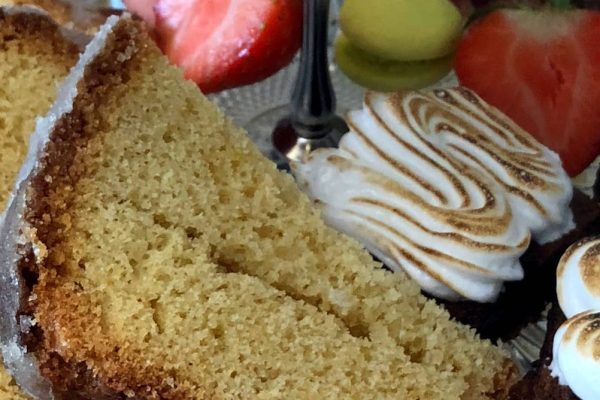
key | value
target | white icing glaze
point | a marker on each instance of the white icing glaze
(14, 228)
(578, 278)
(441, 185)
(576, 352)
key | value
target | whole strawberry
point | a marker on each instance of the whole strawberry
(541, 68)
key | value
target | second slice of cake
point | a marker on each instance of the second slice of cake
(151, 252)
(35, 55)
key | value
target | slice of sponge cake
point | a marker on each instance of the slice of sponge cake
(34, 58)
(151, 252)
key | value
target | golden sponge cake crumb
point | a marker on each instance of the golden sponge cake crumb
(175, 262)
(8, 388)
(34, 58)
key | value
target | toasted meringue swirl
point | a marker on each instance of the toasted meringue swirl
(576, 361)
(442, 186)
(578, 277)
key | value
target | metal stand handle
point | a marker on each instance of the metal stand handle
(312, 122)
(313, 99)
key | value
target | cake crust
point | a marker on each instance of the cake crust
(71, 15)
(27, 22)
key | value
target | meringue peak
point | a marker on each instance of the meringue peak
(442, 186)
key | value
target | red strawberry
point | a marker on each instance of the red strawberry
(143, 8)
(542, 68)
(227, 43)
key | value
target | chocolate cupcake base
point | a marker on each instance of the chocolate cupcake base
(539, 384)
(523, 301)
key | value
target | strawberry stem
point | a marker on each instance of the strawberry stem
(561, 4)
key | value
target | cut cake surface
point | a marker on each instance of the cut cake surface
(150, 251)
(34, 57)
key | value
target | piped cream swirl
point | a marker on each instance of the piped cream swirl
(578, 277)
(442, 186)
(576, 350)
(576, 361)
